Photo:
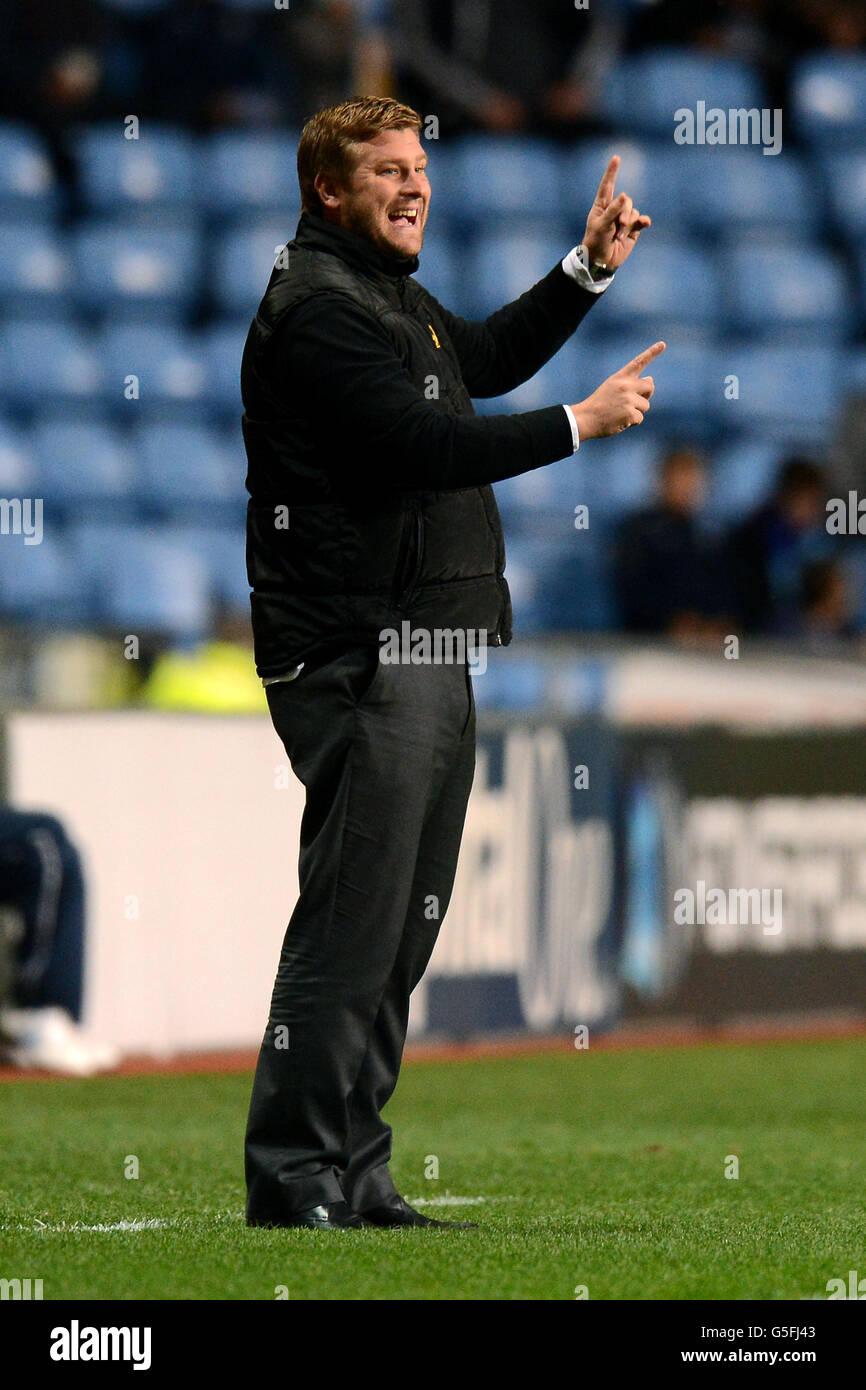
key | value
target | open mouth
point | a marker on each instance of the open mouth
(403, 217)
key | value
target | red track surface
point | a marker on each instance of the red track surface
(682, 1035)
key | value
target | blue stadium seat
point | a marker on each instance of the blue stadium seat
(35, 271)
(620, 474)
(28, 187)
(649, 174)
(829, 100)
(502, 264)
(224, 551)
(48, 365)
(789, 393)
(222, 347)
(771, 290)
(509, 682)
(544, 499)
(737, 192)
(643, 93)
(161, 585)
(18, 475)
(40, 583)
(252, 172)
(169, 364)
(669, 280)
(557, 585)
(743, 475)
(556, 382)
(158, 170)
(438, 271)
(688, 377)
(142, 579)
(844, 182)
(82, 466)
(242, 264)
(124, 269)
(186, 471)
(499, 176)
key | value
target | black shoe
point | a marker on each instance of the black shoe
(397, 1212)
(328, 1216)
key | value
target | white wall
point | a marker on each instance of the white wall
(184, 813)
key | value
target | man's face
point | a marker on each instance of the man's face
(388, 196)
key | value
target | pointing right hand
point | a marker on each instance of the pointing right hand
(621, 401)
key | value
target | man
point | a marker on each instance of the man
(371, 507)
(42, 931)
(670, 572)
(770, 549)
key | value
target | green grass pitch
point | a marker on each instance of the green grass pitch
(603, 1170)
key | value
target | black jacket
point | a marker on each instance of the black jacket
(359, 427)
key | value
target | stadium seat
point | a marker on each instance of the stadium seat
(247, 173)
(667, 279)
(142, 580)
(557, 382)
(688, 376)
(18, 475)
(122, 269)
(40, 584)
(84, 466)
(771, 290)
(557, 585)
(829, 100)
(843, 177)
(543, 500)
(48, 364)
(438, 272)
(222, 347)
(648, 173)
(743, 475)
(35, 272)
(790, 393)
(498, 176)
(186, 471)
(158, 170)
(738, 192)
(620, 474)
(502, 264)
(28, 187)
(643, 93)
(168, 363)
(224, 552)
(242, 262)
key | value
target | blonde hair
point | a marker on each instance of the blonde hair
(327, 141)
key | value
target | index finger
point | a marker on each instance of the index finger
(608, 180)
(641, 362)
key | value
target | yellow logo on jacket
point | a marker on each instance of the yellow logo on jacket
(433, 331)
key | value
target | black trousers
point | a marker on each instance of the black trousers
(387, 756)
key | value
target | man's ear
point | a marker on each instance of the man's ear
(329, 193)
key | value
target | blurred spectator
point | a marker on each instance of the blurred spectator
(770, 550)
(218, 675)
(827, 620)
(42, 923)
(668, 571)
(506, 66)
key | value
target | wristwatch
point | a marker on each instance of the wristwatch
(597, 269)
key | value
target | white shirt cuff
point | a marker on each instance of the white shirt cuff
(575, 433)
(576, 265)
